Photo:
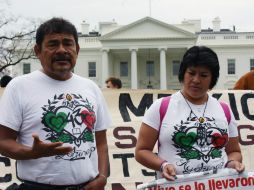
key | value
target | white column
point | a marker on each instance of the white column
(105, 65)
(163, 71)
(134, 68)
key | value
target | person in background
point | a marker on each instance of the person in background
(194, 135)
(54, 122)
(5, 80)
(246, 82)
(114, 83)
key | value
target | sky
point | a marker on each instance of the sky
(238, 13)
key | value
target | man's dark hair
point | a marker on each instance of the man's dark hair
(5, 80)
(55, 25)
(115, 82)
(200, 56)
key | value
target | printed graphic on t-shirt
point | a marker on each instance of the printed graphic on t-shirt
(199, 140)
(70, 119)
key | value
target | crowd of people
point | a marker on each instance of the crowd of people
(70, 115)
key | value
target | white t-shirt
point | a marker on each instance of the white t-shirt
(186, 141)
(69, 111)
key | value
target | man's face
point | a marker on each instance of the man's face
(58, 54)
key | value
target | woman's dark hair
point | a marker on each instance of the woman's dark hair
(5, 80)
(200, 56)
(55, 25)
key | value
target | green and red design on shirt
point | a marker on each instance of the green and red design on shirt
(199, 139)
(69, 119)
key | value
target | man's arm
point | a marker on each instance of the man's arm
(102, 149)
(9, 147)
(103, 162)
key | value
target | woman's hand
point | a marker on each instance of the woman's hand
(168, 171)
(238, 166)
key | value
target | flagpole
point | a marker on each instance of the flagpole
(150, 9)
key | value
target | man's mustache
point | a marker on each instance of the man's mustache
(61, 57)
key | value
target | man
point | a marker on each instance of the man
(54, 122)
(246, 82)
(114, 83)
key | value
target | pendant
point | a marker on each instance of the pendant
(201, 119)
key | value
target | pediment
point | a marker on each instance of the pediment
(148, 28)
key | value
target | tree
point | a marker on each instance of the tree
(16, 41)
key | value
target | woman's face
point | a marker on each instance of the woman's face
(196, 83)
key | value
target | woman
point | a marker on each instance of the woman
(194, 135)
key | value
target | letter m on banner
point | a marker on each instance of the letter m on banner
(125, 101)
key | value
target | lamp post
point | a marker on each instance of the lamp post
(149, 64)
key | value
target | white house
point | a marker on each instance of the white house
(147, 53)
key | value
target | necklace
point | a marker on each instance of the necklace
(201, 119)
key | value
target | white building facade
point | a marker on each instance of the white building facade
(147, 53)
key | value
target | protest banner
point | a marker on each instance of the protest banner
(127, 108)
(225, 179)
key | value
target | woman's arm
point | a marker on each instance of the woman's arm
(144, 152)
(144, 148)
(234, 155)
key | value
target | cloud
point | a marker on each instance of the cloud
(231, 12)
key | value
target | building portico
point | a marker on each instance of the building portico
(146, 48)
(139, 75)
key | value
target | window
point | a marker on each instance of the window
(231, 66)
(150, 68)
(124, 69)
(26, 68)
(176, 67)
(251, 64)
(91, 69)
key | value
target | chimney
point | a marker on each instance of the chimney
(106, 27)
(84, 28)
(216, 24)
